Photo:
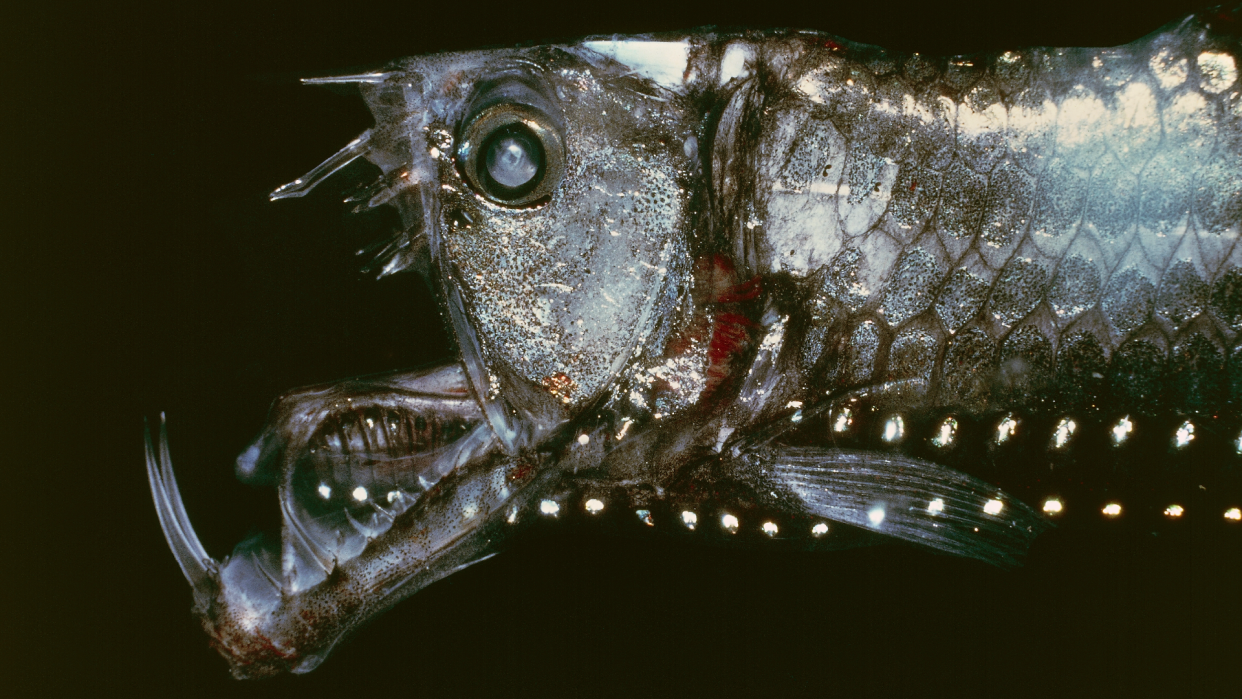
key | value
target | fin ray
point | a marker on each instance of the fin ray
(909, 499)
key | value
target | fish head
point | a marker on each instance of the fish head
(556, 188)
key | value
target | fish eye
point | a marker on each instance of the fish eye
(512, 154)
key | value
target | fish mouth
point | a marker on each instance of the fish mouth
(384, 487)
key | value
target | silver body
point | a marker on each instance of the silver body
(751, 249)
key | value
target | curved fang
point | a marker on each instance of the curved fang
(196, 565)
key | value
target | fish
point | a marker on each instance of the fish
(763, 288)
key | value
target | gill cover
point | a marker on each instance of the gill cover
(554, 188)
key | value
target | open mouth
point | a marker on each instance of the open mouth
(385, 485)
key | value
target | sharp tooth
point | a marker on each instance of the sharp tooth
(373, 78)
(362, 529)
(382, 512)
(301, 542)
(356, 148)
(198, 568)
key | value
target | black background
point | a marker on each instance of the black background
(145, 271)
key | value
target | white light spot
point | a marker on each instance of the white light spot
(393, 495)
(794, 404)
(819, 530)
(663, 62)
(1237, 446)
(936, 506)
(894, 429)
(796, 417)
(469, 511)
(876, 516)
(690, 519)
(811, 88)
(549, 507)
(1121, 431)
(1112, 509)
(594, 506)
(1078, 119)
(729, 522)
(1170, 70)
(644, 516)
(360, 494)
(584, 439)
(1006, 429)
(993, 506)
(325, 491)
(1052, 506)
(733, 65)
(769, 528)
(1217, 71)
(845, 418)
(1234, 514)
(1174, 511)
(1064, 430)
(946, 433)
(1184, 435)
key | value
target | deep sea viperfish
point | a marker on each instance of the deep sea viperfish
(773, 288)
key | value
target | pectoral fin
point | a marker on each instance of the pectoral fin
(906, 498)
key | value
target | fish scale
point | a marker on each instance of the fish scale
(764, 288)
(1054, 196)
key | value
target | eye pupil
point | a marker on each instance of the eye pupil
(513, 158)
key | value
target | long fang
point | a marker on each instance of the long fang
(304, 184)
(196, 565)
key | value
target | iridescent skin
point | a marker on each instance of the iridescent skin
(786, 287)
(1035, 206)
